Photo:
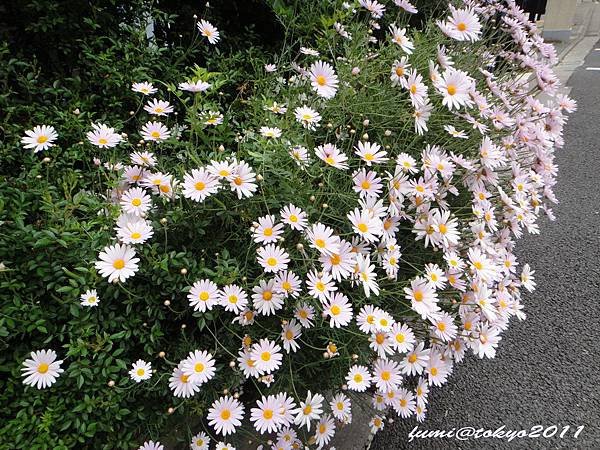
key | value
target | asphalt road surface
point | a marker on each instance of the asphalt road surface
(546, 371)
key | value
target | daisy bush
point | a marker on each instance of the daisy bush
(260, 256)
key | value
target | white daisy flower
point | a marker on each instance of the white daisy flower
(200, 442)
(272, 258)
(196, 86)
(151, 445)
(305, 314)
(294, 217)
(462, 25)
(136, 201)
(90, 298)
(42, 369)
(270, 132)
(323, 79)
(40, 138)
(242, 181)
(180, 383)
(386, 375)
(267, 417)
(324, 431)
(308, 410)
(332, 156)
(341, 408)
(288, 284)
(399, 38)
(203, 295)
(144, 159)
(140, 371)
(209, 31)
(158, 107)
(321, 237)
(199, 366)
(267, 230)
(358, 378)
(103, 136)
(267, 355)
(199, 184)
(370, 153)
(266, 298)
(155, 131)
(339, 309)
(233, 298)
(308, 117)
(136, 231)
(117, 262)
(289, 333)
(145, 88)
(225, 414)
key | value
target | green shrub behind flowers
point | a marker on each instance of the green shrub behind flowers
(59, 209)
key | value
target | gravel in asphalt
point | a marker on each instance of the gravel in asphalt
(546, 371)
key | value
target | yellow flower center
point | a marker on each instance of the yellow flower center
(267, 295)
(400, 338)
(268, 414)
(412, 358)
(238, 181)
(307, 410)
(158, 110)
(102, 141)
(369, 156)
(365, 185)
(340, 406)
(204, 296)
(441, 326)
(302, 313)
(140, 372)
(478, 265)
(265, 356)
(199, 367)
(451, 89)
(293, 218)
(322, 428)
(155, 134)
(135, 235)
(200, 186)
(363, 227)
(92, 300)
(286, 285)
(385, 375)
(335, 310)
(268, 232)
(433, 371)
(184, 378)
(272, 261)
(380, 338)
(321, 80)
(413, 89)
(320, 243)
(42, 139)
(225, 414)
(119, 264)
(358, 378)
(461, 26)
(43, 368)
(320, 286)
(418, 295)
(335, 259)
(403, 402)
(233, 299)
(442, 228)
(165, 188)
(400, 71)
(329, 160)
(136, 201)
(289, 335)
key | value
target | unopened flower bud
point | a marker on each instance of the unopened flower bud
(366, 122)
(365, 137)
(355, 70)
(163, 221)
(259, 177)
(46, 160)
(111, 383)
(183, 271)
(388, 132)
(161, 354)
(299, 246)
(312, 198)
(76, 111)
(183, 326)
(170, 410)
(167, 302)
(221, 148)
(231, 364)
